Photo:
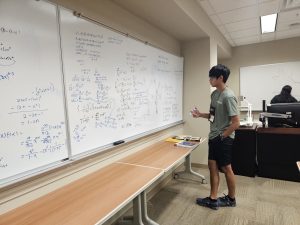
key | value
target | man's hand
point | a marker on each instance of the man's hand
(195, 113)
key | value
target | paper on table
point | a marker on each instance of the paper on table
(173, 140)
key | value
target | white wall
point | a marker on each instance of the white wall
(196, 91)
(193, 9)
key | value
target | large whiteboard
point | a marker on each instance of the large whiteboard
(116, 87)
(70, 87)
(32, 131)
(263, 82)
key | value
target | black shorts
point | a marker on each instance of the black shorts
(220, 151)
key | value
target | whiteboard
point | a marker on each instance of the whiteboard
(263, 82)
(32, 131)
(116, 87)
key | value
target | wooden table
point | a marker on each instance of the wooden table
(90, 200)
(162, 155)
(95, 198)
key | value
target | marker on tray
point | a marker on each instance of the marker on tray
(118, 142)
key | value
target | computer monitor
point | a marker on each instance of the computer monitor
(283, 108)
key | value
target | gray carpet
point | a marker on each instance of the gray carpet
(260, 201)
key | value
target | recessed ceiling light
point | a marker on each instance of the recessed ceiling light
(268, 23)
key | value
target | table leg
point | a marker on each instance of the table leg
(144, 210)
(136, 219)
(188, 170)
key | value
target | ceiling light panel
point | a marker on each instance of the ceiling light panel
(268, 23)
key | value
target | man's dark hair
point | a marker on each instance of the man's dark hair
(286, 90)
(218, 70)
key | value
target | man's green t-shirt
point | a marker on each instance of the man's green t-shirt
(224, 106)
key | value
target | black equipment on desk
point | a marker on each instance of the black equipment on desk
(284, 108)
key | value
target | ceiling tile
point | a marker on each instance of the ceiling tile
(245, 33)
(269, 7)
(268, 37)
(223, 6)
(287, 33)
(289, 15)
(241, 25)
(239, 14)
(247, 40)
(286, 25)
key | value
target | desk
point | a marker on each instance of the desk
(277, 152)
(162, 155)
(90, 200)
(244, 151)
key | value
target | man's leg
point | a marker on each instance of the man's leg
(211, 201)
(228, 200)
(225, 164)
(214, 178)
(230, 180)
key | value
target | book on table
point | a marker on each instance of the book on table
(195, 139)
(187, 138)
(187, 144)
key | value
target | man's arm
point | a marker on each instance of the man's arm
(235, 123)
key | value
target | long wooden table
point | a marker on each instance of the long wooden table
(95, 198)
(88, 201)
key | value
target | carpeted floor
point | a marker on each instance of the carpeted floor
(260, 201)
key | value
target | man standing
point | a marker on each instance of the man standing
(224, 120)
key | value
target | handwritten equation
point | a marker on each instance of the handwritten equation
(88, 45)
(9, 30)
(48, 141)
(6, 58)
(3, 164)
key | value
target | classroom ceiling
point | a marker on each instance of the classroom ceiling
(237, 20)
